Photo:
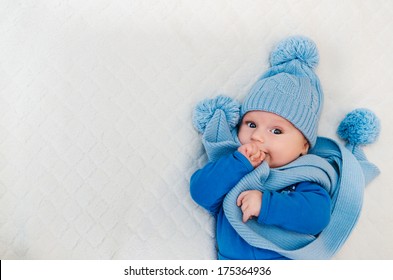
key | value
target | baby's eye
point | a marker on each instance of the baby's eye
(251, 125)
(276, 131)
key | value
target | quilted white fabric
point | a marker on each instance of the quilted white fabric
(96, 140)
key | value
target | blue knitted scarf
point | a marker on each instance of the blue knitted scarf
(342, 171)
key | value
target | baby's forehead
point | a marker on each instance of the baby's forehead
(265, 116)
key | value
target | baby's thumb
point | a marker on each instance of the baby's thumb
(246, 216)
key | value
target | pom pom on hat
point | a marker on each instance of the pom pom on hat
(359, 127)
(205, 110)
(295, 47)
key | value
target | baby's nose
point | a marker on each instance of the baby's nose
(258, 136)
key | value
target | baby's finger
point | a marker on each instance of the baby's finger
(239, 200)
(246, 216)
(256, 154)
(262, 156)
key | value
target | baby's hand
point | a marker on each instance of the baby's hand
(250, 203)
(253, 152)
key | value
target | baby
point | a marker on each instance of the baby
(279, 119)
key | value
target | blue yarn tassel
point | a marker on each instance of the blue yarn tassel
(359, 127)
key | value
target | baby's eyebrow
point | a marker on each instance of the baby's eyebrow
(281, 122)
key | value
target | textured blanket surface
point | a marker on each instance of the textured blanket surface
(96, 98)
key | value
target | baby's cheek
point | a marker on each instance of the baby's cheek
(243, 141)
(267, 159)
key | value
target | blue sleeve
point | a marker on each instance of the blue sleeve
(305, 210)
(209, 185)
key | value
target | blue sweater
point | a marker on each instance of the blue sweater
(303, 208)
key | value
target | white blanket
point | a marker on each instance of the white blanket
(96, 140)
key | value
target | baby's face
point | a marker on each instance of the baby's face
(277, 137)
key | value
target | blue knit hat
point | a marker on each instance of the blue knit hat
(290, 88)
